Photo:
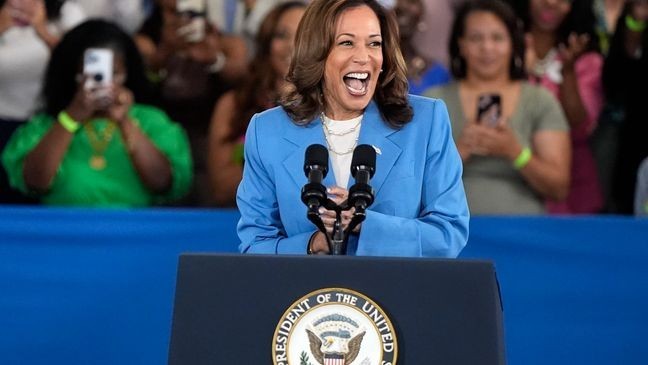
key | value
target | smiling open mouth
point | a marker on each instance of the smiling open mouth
(356, 82)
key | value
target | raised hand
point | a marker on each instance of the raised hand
(122, 102)
(499, 141)
(576, 45)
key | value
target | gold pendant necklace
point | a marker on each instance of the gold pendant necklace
(99, 141)
(97, 162)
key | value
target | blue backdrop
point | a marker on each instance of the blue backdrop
(81, 286)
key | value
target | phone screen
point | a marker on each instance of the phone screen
(489, 109)
(98, 67)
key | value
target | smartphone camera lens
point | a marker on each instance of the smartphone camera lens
(98, 77)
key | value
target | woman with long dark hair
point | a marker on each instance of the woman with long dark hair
(259, 91)
(29, 29)
(349, 88)
(562, 56)
(518, 155)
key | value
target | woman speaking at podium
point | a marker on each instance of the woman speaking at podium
(349, 88)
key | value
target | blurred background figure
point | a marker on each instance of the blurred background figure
(607, 13)
(193, 64)
(433, 32)
(259, 91)
(625, 79)
(29, 29)
(641, 192)
(519, 155)
(562, 56)
(422, 73)
(240, 17)
(129, 14)
(96, 144)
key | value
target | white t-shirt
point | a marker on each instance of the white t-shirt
(341, 138)
(23, 60)
(129, 14)
(240, 22)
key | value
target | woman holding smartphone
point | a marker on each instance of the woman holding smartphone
(514, 162)
(95, 143)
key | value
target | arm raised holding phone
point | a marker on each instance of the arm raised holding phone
(96, 143)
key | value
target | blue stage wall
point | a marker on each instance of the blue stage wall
(80, 286)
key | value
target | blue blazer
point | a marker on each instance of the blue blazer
(420, 207)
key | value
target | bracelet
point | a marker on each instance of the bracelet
(67, 122)
(523, 159)
(309, 251)
(634, 24)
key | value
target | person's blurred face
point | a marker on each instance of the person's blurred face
(169, 11)
(283, 40)
(547, 15)
(408, 14)
(486, 46)
(353, 63)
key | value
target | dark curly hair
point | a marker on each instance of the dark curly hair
(67, 58)
(314, 40)
(514, 27)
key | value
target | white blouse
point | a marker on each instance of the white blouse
(341, 138)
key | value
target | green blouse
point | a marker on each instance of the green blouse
(117, 183)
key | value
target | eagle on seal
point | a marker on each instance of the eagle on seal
(334, 349)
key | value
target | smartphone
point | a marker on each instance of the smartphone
(489, 109)
(98, 67)
(194, 10)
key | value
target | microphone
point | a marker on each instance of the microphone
(363, 166)
(315, 167)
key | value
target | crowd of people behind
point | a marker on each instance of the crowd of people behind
(544, 96)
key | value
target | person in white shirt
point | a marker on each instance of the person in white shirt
(128, 14)
(240, 17)
(29, 30)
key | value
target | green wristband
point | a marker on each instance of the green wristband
(523, 158)
(634, 24)
(67, 122)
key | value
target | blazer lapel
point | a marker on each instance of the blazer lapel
(299, 138)
(376, 132)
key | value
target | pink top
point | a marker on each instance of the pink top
(585, 194)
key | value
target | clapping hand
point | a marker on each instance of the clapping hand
(481, 140)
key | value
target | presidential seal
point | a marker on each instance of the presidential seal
(334, 326)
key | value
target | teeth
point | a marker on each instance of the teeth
(358, 75)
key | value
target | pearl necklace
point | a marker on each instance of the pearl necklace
(327, 124)
(328, 133)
